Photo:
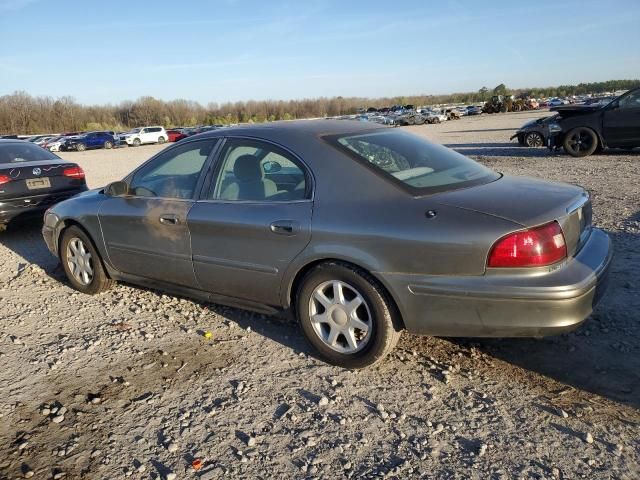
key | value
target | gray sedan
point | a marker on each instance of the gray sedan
(360, 231)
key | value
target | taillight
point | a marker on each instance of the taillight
(535, 247)
(4, 179)
(73, 172)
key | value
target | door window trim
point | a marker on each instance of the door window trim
(216, 166)
(199, 183)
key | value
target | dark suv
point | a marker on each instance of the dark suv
(584, 129)
(90, 140)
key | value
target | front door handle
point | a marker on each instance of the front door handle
(284, 227)
(169, 219)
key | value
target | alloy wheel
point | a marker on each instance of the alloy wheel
(80, 261)
(340, 316)
(580, 141)
(534, 140)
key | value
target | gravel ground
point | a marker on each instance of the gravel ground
(126, 385)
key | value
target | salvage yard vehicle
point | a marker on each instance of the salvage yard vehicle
(534, 133)
(145, 135)
(88, 141)
(359, 230)
(584, 129)
(32, 179)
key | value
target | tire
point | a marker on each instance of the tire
(534, 139)
(81, 147)
(136, 142)
(580, 142)
(436, 120)
(377, 312)
(92, 280)
(108, 145)
(161, 140)
(419, 120)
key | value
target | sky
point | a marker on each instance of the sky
(230, 50)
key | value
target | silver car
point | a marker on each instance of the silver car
(359, 230)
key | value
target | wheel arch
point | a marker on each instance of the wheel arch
(70, 222)
(293, 285)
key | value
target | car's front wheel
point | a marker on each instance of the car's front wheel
(347, 315)
(108, 145)
(136, 142)
(161, 140)
(534, 139)
(81, 147)
(580, 142)
(81, 262)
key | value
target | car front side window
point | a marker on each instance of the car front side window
(251, 170)
(174, 173)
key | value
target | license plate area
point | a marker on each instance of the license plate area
(38, 183)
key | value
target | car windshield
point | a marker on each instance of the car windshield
(417, 164)
(24, 152)
(135, 130)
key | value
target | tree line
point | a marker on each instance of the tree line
(21, 113)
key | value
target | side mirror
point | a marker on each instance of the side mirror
(272, 167)
(117, 189)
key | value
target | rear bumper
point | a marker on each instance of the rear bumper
(506, 305)
(32, 206)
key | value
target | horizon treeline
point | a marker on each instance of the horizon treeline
(21, 113)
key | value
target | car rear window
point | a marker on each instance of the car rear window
(413, 162)
(20, 152)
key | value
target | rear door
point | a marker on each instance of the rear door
(146, 232)
(252, 220)
(621, 122)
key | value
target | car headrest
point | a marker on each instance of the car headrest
(247, 168)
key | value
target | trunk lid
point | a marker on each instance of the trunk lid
(37, 178)
(530, 202)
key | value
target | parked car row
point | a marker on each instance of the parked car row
(107, 139)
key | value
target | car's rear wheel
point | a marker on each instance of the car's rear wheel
(161, 140)
(108, 145)
(580, 142)
(136, 142)
(534, 139)
(82, 263)
(346, 315)
(81, 147)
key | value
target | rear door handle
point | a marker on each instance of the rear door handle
(169, 219)
(284, 227)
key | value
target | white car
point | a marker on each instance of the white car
(55, 145)
(141, 135)
(556, 102)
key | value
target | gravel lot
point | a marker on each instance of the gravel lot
(125, 384)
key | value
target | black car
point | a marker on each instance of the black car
(534, 133)
(32, 179)
(584, 129)
(90, 140)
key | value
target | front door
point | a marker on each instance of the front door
(251, 222)
(621, 123)
(145, 232)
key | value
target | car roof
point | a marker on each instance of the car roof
(313, 128)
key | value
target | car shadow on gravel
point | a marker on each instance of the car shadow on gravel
(24, 238)
(603, 355)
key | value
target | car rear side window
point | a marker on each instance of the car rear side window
(256, 171)
(20, 152)
(413, 162)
